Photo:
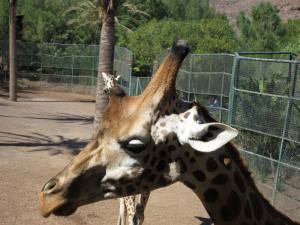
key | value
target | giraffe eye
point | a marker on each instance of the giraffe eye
(134, 145)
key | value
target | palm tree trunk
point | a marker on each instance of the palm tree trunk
(12, 54)
(106, 56)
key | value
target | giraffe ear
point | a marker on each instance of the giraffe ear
(208, 137)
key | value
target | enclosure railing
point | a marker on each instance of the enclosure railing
(61, 66)
(265, 107)
(205, 78)
(261, 98)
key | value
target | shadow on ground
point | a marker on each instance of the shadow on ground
(38, 95)
(3, 104)
(56, 145)
(60, 117)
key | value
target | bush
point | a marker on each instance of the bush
(263, 31)
(205, 36)
(291, 42)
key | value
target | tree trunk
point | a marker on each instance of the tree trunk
(12, 53)
(106, 56)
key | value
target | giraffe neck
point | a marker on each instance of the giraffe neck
(228, 192)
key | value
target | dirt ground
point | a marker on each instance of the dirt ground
(38, 136)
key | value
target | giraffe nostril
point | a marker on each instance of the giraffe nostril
(50, 186)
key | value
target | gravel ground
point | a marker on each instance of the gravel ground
(38, 136)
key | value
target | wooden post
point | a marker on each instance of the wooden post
(12, 51)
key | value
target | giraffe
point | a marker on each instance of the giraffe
(134, 211)
(133, 208)
(154, 140)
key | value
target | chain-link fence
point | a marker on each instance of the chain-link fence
(263, 102)
(65, 66)
(205, 78)
(265, 107)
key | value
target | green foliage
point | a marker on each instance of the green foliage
(155, 9)
(263, 31)
(205, 36)
(45, 21)
(147, 27)
(3, 20)
(292, 41)
(189, 9)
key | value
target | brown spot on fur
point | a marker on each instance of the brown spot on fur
(224, 159)
(164, 132)
(186, 115)
(161, 165)
(220, 179)
(227, 162)
(211, 195)
(199, 175)
(192, 160)
(162, 124)
(211, 164)
(183, 167)
(146, 125)
(196, 118)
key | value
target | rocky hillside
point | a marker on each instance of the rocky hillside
(288, 9)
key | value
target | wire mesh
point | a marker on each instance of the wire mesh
(205, 78)
(65, 65)
(265, 107)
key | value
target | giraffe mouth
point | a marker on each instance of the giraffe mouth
(64, 210)
(55, 205)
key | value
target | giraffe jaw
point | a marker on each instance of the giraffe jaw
(64, 210)
(55, 205)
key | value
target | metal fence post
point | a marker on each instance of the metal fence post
(190, 76)
(41, 70)
(137, 86)
(235, 73)
(221, 99)
(222, 91)
(130, 74)
(72, 73)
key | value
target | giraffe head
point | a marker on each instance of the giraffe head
(140, 145)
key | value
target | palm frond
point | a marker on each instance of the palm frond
(89, 12)
(134, 10)
(121, 25)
